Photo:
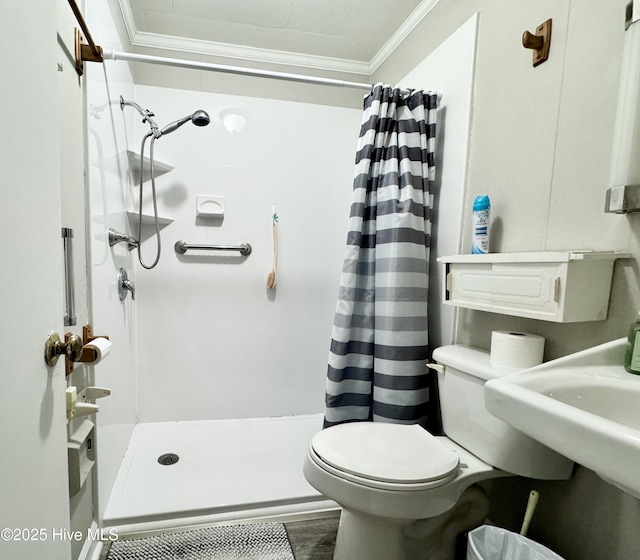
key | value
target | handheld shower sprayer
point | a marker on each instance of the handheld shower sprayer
(199, 118)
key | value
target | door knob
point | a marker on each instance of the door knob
(55, 347)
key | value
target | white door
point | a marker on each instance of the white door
(35, 512)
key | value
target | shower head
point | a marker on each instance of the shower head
(199, 118)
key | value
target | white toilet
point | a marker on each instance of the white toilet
(406, 494)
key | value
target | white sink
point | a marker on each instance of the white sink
(585, 406)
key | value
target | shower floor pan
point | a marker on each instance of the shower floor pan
(219, 469)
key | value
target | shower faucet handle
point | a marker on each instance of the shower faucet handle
(125, 285)
(128, 285)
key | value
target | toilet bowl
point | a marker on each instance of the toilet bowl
(402, 490)
(377, 512)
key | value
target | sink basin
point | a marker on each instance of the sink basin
(585, 406)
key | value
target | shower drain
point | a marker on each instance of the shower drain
(168, 459)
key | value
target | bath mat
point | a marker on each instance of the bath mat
(260, 541)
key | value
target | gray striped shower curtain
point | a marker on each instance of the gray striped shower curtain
(379, 344)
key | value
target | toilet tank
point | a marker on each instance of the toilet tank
(466, 420)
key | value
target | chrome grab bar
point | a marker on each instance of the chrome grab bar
(69, 281)
(182, 247)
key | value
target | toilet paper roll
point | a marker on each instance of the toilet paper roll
(97, 350)
(516, 349)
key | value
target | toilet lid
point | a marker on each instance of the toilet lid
(397, 453)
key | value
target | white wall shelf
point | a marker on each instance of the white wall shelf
(557, 286)
(147, 220)
(159, 167)
(148, 224)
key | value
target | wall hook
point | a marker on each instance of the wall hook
(538, 42)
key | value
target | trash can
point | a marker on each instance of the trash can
(494, 543)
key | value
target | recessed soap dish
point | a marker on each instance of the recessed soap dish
(209, 206)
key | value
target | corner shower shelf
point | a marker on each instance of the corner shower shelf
(148, 220)
(114, 163)
(148, 224)
(557, 286)
(159, 167)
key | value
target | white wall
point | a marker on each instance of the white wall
(540, 146)
(213, 341)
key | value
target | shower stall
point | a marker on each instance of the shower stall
(217, 382)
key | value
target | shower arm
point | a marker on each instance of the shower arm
(144, 113)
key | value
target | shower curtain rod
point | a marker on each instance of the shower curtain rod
(132, 57)
(95, 53)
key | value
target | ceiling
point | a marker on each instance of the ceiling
(340, 35)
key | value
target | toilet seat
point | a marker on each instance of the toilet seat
(384, 456)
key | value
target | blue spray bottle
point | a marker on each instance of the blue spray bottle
(481, 214)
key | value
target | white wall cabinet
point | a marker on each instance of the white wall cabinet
(558, 286)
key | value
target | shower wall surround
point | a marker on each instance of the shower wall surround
(109, 183)
(213, 341)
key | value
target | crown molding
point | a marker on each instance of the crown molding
(409, 24)
(253, 54)
(143, 39)
(128, 19)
